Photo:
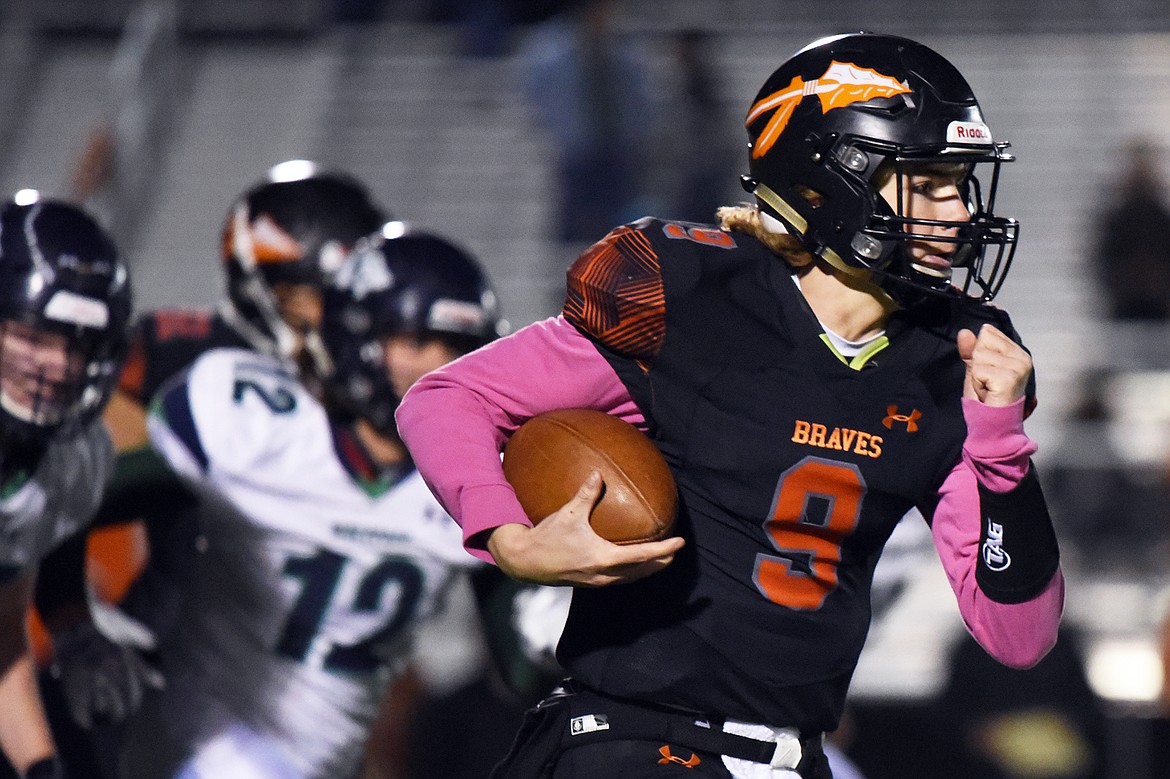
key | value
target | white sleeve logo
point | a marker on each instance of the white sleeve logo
(994, 555)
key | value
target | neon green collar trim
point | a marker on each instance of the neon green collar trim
(861, 358)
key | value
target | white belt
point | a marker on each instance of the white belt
(784, 759)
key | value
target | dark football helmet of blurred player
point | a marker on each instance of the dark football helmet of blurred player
(417, 286)
(885, 103)
(65, 305)
(282, 239)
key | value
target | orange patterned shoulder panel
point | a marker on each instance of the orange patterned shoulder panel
(615, 295)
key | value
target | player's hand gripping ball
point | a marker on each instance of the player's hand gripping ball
(549, 457)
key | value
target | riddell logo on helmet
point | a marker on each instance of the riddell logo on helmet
(841, 85)
(968, 132)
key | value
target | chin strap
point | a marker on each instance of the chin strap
(254, 336)
(318, 355)
(791, 216)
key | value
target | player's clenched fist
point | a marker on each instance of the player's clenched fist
(997, 367)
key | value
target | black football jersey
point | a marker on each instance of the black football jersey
(165, 342)
(792, 466)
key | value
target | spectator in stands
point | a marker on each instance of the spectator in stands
(1111, 508)
(93, 174)
(1132, 256)
(358, 11)
(701, 152)
(994, 722)
(1164, 646)
(589, 90)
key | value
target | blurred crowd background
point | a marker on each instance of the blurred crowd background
(157, 113)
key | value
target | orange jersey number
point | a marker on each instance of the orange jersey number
(817, 504)
(701, 235)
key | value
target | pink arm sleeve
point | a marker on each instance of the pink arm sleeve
(997, 454)
(455, 420)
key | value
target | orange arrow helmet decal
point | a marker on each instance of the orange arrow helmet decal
(842, 84)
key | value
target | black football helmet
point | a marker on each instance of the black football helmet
(825, 122)
(294, 226)
(417, 283)
(61, 282)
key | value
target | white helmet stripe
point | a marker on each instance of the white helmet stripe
(242, 238)
(74, 309)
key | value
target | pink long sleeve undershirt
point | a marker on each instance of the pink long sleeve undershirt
(456, 419)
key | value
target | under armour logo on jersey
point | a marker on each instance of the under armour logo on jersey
(841, 84)
(910, 420)
(668, 758)
(994, 555)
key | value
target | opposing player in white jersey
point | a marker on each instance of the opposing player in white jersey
(281, 238)
(327, 548)
(64, 309)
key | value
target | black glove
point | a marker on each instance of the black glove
(46, 768)
(100, 679)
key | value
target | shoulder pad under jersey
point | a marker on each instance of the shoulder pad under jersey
(226, 411)
(615, 290)
(614, 293)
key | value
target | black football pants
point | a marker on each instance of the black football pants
(578, 734)
(637, 760)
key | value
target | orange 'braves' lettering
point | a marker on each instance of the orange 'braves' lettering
(817, 437)
(817, 505)
(842, 439)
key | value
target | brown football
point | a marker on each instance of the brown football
(549, 457)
